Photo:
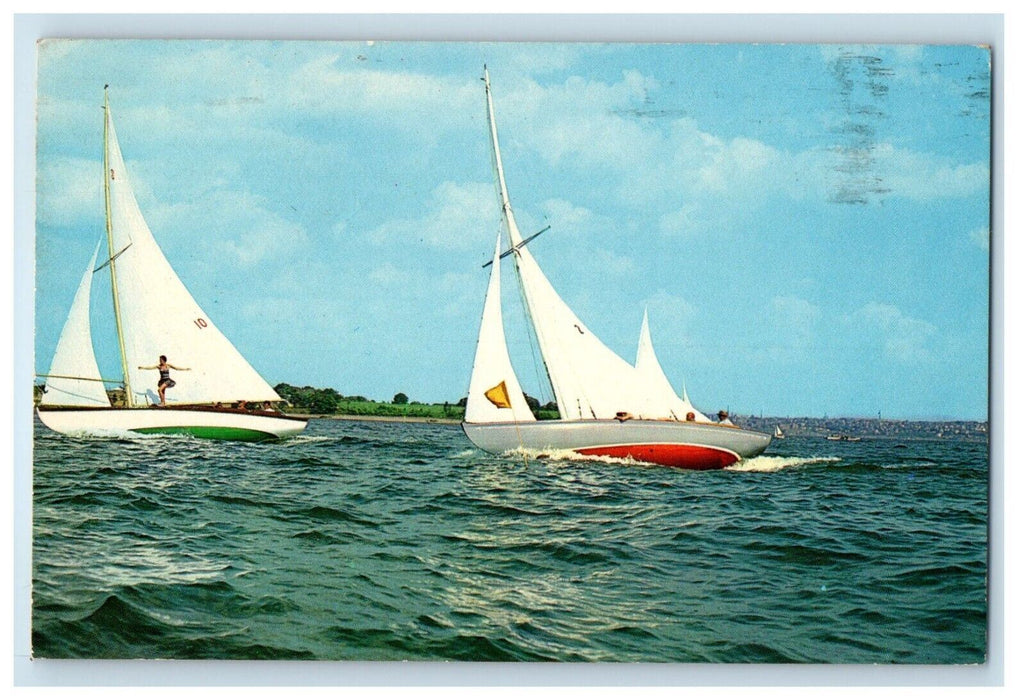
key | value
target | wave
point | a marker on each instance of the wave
(334, 547)
(766, 463)
(914, 464)
(327, 513)
(309, 438)
(555, 455)
(106, 434)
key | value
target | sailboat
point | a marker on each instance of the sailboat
(155, 315)
(607, 406)
(778, 434)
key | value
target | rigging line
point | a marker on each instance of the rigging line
(84, 379)
(519, 437)
(534, 343)
(519, 245)
(112, 258)
(71, 393)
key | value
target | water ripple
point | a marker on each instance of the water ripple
(398, 541)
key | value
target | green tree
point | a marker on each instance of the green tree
(323, 401)
(532, 403)
(400, 399)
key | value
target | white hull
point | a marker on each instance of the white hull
(687, 445)
(224, 424)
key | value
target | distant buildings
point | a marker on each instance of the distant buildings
(869, 427)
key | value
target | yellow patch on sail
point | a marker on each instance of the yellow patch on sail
(499, 395)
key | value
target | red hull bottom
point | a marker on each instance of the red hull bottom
(681, 456)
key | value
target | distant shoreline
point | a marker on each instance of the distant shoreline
(379, 419)
(794, 428)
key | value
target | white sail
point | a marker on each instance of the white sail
(660, 401)
(495, 394)
(74, 376)
(158, 315)
(588, 379)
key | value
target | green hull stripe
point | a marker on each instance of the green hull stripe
(211, 433)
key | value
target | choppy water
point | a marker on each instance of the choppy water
(386, 541)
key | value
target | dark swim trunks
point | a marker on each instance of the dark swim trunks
(166, 382)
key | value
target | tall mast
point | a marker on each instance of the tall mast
(515, 237)
(110, 247)
(503, 194)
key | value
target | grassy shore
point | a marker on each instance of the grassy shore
(381, 419)
(420, 412)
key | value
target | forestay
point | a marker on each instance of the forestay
(158, 315)
(74, 378)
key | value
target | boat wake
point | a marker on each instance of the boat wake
(294, 439)
(765, 463)
(123, 435)
(564, 455)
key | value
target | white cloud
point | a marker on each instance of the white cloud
(923, 176)
(388, 275)
(669, 311)
(670, 169)
(606, 262)
(683, 221)
(750, 171)
(458, 216)
(532, 59)
(683, 171)
(454, 294)
(577, 122)
(326, 85)
(795, 321)
(233, 228)
(737, 165)
(980, 237)
(457, 293)
(569, 216)
(69, 191)
(903, 338)
(570, 219)
(263, 240)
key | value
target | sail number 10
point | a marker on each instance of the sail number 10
(200, 322)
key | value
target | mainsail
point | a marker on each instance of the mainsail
(495, 394)
(588, 379)
(74, 378)
(157, 314)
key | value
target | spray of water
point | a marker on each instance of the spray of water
(568, 456)
(765, 463)
(755, 464)
(299, 439)
(125, 435)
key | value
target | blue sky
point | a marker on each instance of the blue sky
(808, 226)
